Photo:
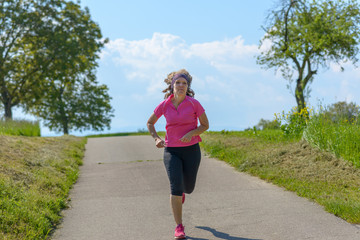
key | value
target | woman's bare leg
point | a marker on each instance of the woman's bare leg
(176, 205)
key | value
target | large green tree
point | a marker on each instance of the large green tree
(39, 39)
(305, 35)
(76, 104)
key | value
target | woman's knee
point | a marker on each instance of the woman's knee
(188, 191)
(189, 188)
(177, 192)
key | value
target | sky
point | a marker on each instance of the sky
(217, 42)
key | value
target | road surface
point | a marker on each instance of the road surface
(123, 193)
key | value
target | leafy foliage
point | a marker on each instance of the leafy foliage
(293, 123)
(305, 35)
(79, 106)
(43, 40)
(48, 55)
(343, 111)
(268, 124)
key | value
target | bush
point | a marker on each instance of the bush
(293, 123)
(268, 124)
(342, 111)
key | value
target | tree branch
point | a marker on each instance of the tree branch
(286, 24)
(24, 79)
(310, 73)
(13, 28)
(296, 62)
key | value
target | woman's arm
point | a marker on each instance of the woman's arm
(150, 125)
(204, 125)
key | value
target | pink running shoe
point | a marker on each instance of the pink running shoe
(179, 232)
(183, 198)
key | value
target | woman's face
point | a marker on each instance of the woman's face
(180, 86)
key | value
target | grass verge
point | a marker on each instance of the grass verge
(293, 164)
(19, 128)
(342, 138)
(35, 177)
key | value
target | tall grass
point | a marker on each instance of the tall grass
(19, 127)
(325, 130)
(341, 137)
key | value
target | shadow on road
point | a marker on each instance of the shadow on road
(219, 235)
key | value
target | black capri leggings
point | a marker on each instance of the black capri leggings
(182, 164)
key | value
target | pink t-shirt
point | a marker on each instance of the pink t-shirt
(180, 121)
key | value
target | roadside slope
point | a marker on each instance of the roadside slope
(35, 177)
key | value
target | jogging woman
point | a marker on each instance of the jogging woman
(182, 152)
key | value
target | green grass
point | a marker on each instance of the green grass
(294, 164)
(36, 175)
(19, 128)
(341, 138)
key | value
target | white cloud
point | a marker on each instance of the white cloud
(146, 61)
(166, 50)
(234, 49)
(229, 56)
(146, 54)
(266, 45)
(150, 60)
(235, 67)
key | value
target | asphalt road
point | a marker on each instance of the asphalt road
(123, 193)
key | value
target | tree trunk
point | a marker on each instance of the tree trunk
(65, 128)
(8, 111)
(6, 99)
(63, 117)
(64, 121)
(299, 95)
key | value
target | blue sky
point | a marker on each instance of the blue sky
(217, 42)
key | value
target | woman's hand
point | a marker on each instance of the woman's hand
(204, 125)
(187, 137)
(159, 143)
